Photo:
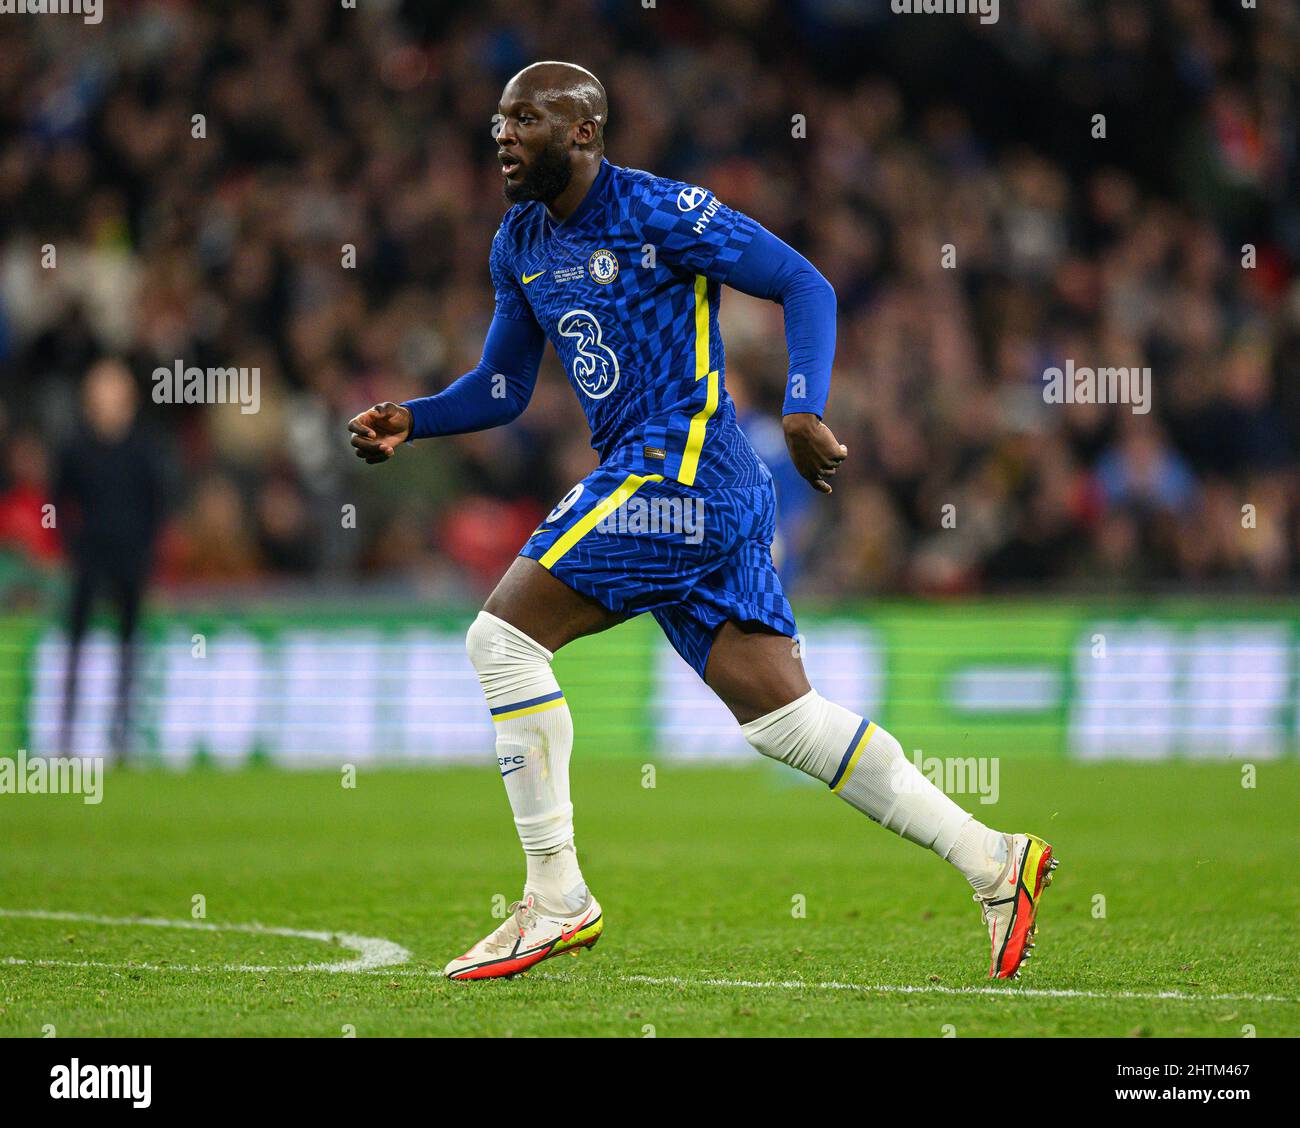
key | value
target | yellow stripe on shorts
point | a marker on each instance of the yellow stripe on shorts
(598, 513)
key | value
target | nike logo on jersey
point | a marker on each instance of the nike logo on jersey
(532, 277)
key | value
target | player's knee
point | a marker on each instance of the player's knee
(478, 639)
(766, 742)
(815, 736)
(503, 655)
(885, 749)
(793, 733)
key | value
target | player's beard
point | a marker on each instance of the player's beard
(548, 176)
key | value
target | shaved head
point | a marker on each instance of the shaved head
(568, 90)
(550, 133)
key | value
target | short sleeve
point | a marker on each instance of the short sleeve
(510, 301)
(691, 228)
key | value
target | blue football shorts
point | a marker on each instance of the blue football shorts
(692, 557)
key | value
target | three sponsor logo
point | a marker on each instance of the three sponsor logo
(595, 367)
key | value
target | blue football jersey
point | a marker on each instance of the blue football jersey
(627, 290)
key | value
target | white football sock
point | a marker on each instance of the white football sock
(982, 855)
(865, 766)
(556, 879)
(534, 739)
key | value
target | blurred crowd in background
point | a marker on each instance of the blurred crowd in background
(1171, 242)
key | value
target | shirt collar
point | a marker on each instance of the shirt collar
(588, 201)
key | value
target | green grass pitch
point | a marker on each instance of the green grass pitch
(1175, 879)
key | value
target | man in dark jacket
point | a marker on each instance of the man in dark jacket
(109, 499)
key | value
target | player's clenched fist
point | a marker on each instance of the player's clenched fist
(815, 452)
(377, 433)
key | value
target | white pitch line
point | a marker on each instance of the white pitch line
(372, 951)
(937, 989)
(678, 981)
(15, 961)
(207, 969)
(379, 957)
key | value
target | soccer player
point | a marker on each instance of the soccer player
(622, 272)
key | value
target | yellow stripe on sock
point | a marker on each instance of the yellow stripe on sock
(598, 513)
(499, 717)
(853, 760)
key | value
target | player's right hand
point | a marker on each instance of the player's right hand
(377, 433)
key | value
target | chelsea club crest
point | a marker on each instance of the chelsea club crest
(603, 266)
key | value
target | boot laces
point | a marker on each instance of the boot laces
(522, 916)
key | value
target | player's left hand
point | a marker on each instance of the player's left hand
(815, 452)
